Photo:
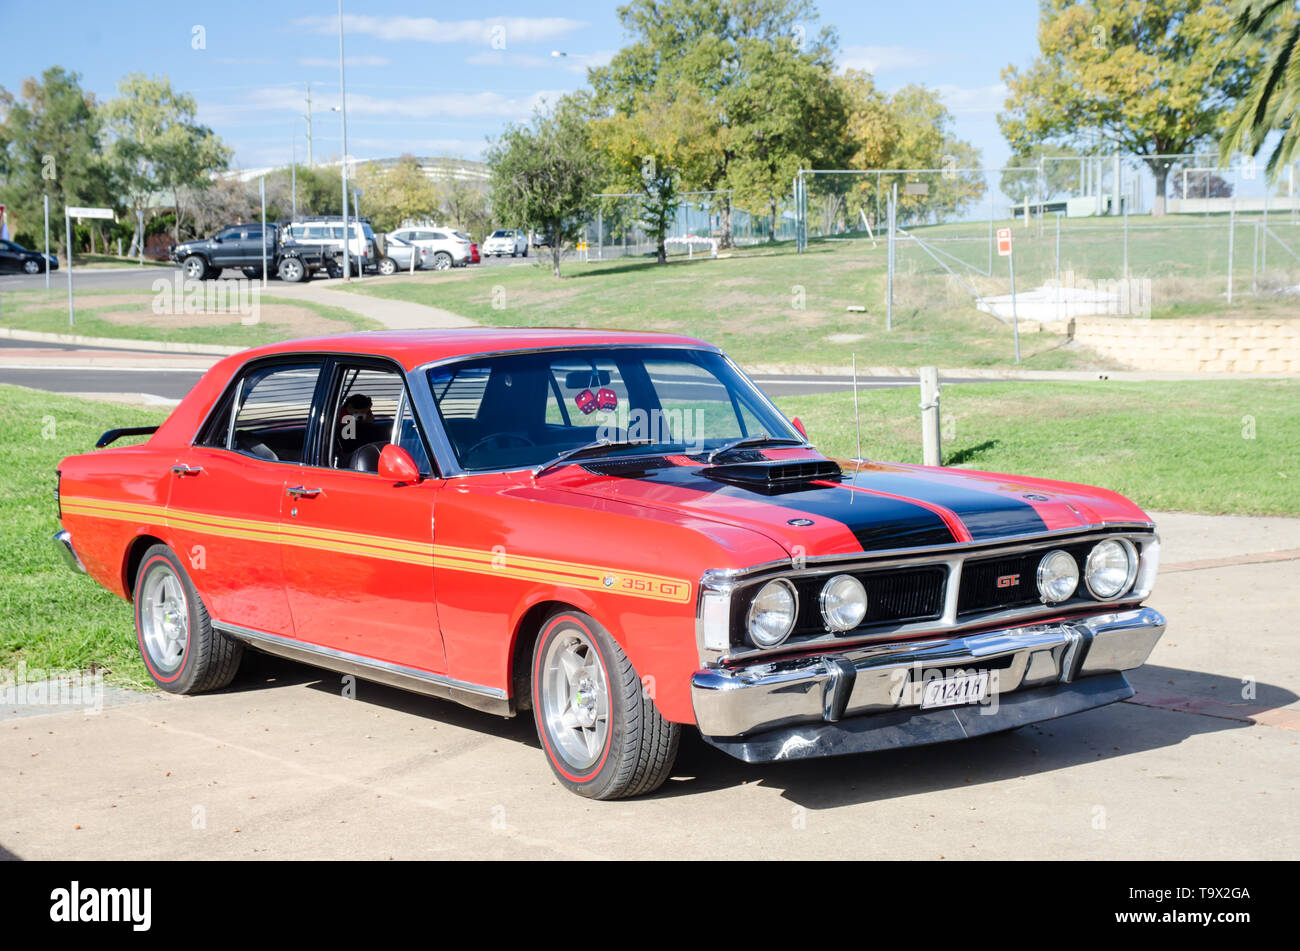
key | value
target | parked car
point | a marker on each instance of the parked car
(446, 248)
(617, 533)
(14, 257)
(326, 233)
(241, 247)
(506, 241)
(400, 255)
(474, 256)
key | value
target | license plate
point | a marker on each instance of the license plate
(955, 691)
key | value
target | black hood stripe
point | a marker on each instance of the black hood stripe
(986, 514)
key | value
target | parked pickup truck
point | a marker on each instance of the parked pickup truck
(240, 246)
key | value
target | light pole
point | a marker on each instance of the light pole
(343, 112)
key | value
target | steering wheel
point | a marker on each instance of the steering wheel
(491, 436)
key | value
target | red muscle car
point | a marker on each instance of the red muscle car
(616, 531)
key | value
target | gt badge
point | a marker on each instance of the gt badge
(1008, 581)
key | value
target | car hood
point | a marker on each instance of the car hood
(871, 506)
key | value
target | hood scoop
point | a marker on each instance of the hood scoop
(774, 475)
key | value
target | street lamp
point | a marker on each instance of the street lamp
(343, 112)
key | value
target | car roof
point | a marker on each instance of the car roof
(411, 348)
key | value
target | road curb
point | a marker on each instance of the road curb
(117, 343)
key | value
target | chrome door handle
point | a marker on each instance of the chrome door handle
(183, 470)
(302, 492)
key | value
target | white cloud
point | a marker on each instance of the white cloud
(880, 59)
(572, 62)
(347, 61)
(494, 30)
(978, 99)
(263, 103)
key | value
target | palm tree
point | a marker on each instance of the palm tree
(1273, 101)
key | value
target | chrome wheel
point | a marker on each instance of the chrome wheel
(196, 269)
(575, 698)
(164, 617)
(32, 267)
(441, 261)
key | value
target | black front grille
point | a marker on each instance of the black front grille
(1008, 581)
(893, 596)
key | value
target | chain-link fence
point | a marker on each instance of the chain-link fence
(703, 222)
(1084, 233)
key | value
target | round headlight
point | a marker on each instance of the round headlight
(843, 602)
(1058, 576)
(772, 613)
(1111, 567)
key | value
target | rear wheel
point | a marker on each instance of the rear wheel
(602, 734)
(442, 261)
(252, 273)
(182, 651)
(387, 266)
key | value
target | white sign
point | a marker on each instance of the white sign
(76, 212)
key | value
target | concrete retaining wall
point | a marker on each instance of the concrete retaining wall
(1193, 345)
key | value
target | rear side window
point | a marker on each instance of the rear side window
(272, 409)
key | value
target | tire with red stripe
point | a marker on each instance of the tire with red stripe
(181, 650)
(599, 727)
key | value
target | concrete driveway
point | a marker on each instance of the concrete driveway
(283, 765)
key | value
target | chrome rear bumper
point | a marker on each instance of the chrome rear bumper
(888, 679)
(63, 538)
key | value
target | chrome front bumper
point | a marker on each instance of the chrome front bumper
(63, 538)
(888, 679)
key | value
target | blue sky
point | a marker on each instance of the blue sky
(442, 85)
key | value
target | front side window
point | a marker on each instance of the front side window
(521, 410)
(368, 411)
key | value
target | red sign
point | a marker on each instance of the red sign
(1004, 241)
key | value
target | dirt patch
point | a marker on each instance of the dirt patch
(298, 321)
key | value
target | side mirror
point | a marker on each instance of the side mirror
(396, 465)
(798, 424)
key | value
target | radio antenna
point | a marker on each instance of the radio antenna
(857, 426)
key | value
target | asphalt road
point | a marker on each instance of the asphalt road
(284, 764)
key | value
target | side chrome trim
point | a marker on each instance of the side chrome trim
(488, 699)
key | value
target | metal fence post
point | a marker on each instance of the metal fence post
(1125, 204)
(1015, 320)
(47, 240)
(1254, 263)
(931, 454)
(889, 280)
(67, 224)
(1232, 222)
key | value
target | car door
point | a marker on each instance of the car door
(10, 258)
(228, 493)
(358, 555)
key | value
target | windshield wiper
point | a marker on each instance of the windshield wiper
(597, 448)
(759, 439)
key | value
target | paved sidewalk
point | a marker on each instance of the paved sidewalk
(1202, 763)
(393, 314)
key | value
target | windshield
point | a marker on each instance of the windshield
(500, 234)
(521, 410)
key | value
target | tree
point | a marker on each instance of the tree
(394, 193)
(1272, 102)
(1155, 78)
(464, 203)
(159, 146)
(51, 139)
(1058, 175)
(669, 137)
(710, 45)
(545, 174)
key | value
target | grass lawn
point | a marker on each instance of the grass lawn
(763, 306)
(143, 315)
(49, 616)
(1168, 446)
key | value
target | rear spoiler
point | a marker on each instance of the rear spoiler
(115, 434)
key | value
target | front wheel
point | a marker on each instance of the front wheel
(195, 268)
(602, 734)
(32, 267)
(183, 652)
(292, 271)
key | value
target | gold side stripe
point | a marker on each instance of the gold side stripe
(448, 557)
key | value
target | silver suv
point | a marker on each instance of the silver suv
(445, 248)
